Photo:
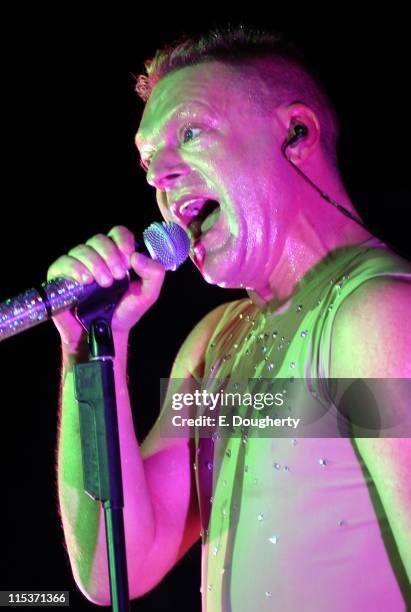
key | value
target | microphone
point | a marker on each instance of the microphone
(164, 242)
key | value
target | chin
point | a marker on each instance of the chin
(212, 278)
(223, 266)
(222, 274)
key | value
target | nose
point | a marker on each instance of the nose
(165, 168)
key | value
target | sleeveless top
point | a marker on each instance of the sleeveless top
(293, 524)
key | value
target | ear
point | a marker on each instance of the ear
(298, 113)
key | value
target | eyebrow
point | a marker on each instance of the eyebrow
(185, 107)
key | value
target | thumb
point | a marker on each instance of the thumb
(151, 272)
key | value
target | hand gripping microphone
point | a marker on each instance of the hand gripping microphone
(167, 243)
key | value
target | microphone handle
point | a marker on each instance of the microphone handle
(37, 305)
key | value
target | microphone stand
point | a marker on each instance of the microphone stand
(100, 446)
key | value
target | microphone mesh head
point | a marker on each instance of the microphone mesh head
(167, 243)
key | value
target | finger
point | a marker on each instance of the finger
(66, 266)
(94, 263)
(145, 291)
(112, 256)
(151, 272)
(125, 241)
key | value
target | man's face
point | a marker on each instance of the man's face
(216, 164)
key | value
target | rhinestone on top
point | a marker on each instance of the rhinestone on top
(215, 436)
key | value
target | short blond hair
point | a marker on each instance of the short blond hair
(289, 77)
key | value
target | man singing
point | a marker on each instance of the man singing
(238, 137)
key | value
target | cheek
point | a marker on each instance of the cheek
(167, 216)
(162, 205)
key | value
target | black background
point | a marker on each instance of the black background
(70, 170)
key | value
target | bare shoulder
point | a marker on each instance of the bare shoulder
(372, 331)
(372, 339)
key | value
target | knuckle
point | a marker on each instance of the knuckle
(119, 230)
(79, 249)
(68, 266)
(51, 273)
(97, 239)
(106, 248)
(56, 263)
(57, 266)
(158, 278)
(123, 238)
(158, 270)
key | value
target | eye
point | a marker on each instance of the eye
(189, 133)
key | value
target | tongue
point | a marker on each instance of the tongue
(196, 226)
(210, 220)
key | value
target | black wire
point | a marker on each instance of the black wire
(339, 207)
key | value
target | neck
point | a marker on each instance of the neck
(309, 240)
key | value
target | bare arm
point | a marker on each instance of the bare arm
(161, 516)
(82, 518)
(372, 339)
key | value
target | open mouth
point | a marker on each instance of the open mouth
(205, 219)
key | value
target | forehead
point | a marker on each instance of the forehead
(212, 87)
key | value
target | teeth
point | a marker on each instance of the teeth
(195, 210)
